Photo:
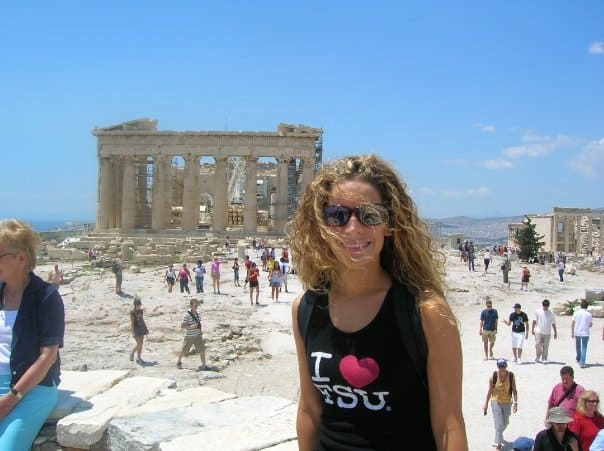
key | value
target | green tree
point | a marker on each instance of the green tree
(529, 242)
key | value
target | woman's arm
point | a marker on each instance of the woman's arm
(444, 374)
(32, 377)
(309, 404)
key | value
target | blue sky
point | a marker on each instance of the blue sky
(484, 108)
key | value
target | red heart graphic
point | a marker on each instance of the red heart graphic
(359, 373)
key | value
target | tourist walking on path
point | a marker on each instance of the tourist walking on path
(566, 393)
(486, 258)
(501, 392)
(520, 329)
(284, 267)
(373, 275)
(488, 328)
(33, 325)
(542, 327)
(557, 437)
(116, 268)
(252, 275)
(170, 277)
(191, 323)
(506, 267)
(588, 420)
(215, 272)
(184, 277)
(525, 276)
(274, 278)
(580, 326)
(56, 277)
(138, 329)
(561, 268)
(236, 273)
(200, 272)
(471, 257)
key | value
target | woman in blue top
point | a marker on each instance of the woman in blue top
(358, 243)
(32, 324)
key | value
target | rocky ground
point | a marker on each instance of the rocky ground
(252, 350)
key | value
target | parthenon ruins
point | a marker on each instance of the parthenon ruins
(183, 181)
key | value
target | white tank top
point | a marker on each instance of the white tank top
(7, 321)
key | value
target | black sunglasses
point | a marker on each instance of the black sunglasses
(368, 214)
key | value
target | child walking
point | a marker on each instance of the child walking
(138, 329)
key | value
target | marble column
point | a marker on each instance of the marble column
(115, 202)
(190, 196)
(128, 195)
(251, 204)
(219, 218)
(104, 195)
(158, 199)
(281, 195)
(308, 173)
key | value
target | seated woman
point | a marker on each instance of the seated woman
(32, 324)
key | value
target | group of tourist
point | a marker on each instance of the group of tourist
(543, 323)
(572, 417)
(502, 392)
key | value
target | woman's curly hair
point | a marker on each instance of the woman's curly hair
(409, 255)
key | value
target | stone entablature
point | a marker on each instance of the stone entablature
(142, 187)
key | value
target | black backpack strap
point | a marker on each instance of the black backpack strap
(408, 314)
(305, 309)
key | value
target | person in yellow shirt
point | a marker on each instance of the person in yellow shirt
(502, 389)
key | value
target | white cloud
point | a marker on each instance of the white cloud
(497, 164)
(451, 193)
(596, 47)
(425, 191)
(537, 146)
(590, 161)
(484, 127)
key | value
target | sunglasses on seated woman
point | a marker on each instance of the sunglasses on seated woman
(368, 214)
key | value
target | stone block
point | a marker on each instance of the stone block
(79, 386)
(86, 426)
(277, 426)
(172, 399)
(147, 431)
(594, 294)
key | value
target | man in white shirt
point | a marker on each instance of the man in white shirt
(543, 324)
(580, 325)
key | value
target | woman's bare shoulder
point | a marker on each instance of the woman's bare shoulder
(435, 309)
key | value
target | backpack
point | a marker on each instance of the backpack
(512, 382)
(407, 312)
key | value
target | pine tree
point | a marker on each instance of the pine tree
(529, 242)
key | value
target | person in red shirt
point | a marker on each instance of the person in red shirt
(252, 275)
(184, 276)
(588, 420)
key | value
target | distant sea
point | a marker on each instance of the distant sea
(47, 225)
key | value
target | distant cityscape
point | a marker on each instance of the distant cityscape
(482, 232)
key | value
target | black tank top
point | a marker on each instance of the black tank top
(371, 396)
